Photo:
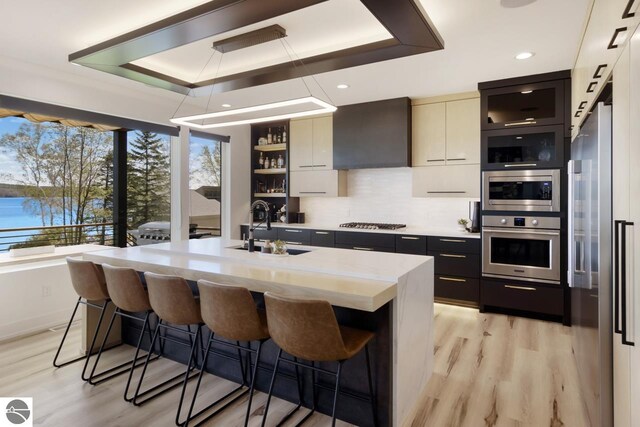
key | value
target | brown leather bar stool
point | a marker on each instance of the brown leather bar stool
(309, 330)
(89, 283)
(230, 313)
(129, 296)
(173, 302)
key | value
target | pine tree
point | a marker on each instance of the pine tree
(148, 180)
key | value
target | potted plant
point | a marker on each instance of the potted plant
(279, 247)
(462, 222)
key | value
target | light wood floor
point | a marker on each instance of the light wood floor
(490, 370)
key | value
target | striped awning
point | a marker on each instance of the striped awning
(39, 118)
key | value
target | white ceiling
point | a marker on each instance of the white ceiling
(481, 40)
(322, 28)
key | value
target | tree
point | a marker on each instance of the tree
(148, 180)
(211, 164)
(62, 168)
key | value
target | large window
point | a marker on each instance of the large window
(56, 181)
(148, 187)
(205, 181)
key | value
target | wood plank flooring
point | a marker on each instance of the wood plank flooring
(490, 370)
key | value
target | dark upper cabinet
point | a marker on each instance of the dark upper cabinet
(523, 105)
(530, 148)
(372, 135)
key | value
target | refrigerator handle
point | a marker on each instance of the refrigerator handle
(623, 286)
(616, 275)
(571, 261)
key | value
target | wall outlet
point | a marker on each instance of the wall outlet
(46, 291)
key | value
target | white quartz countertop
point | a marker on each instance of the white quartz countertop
(353, 279)
(416, 231)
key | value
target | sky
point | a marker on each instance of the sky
(8, 166)
(10, 169)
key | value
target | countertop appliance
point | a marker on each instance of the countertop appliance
(521, 247)
(589, 273)
(535, 190)
(372, 225)
(474, 216)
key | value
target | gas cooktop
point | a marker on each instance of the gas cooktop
(372, 225)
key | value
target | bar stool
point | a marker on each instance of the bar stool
(89, 283)
(309, 330)
(129, 296)
(231, 313)
(173, 302)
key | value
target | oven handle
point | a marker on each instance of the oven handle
(523, 231)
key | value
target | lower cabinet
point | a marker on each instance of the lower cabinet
(294, 236)
(322, 238)
(532, 297)
(463, 289)
(457, 269)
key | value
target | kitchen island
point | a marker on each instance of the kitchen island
(390, 294)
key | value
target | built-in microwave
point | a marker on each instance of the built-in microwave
(521, 190)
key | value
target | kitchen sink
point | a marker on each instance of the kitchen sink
(259, 248)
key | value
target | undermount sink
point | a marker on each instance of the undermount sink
(259, 248)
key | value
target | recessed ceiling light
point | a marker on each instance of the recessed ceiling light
(530, 118)
(343, 86)
(524, 55)
(524, 92)
(515, 3)
(226, 105)
(518, 137)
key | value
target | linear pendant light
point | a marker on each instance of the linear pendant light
(321, 107)
(272, 111)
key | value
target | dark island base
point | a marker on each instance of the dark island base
(352, 404)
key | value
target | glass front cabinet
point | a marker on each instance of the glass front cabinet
(537, 147)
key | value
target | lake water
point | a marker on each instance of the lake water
(13, 215)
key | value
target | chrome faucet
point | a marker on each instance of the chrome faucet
(264, 204)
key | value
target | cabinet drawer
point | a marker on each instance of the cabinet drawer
(454, 245)
(522, 296)
(364, 248)
(465, 265)
(264, 234)
(323, 238)
(457, 288)
(354, 238)
(411, 245)
(295, 236)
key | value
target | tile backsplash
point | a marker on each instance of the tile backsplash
(384, 195)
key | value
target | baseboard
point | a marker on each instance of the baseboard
(35, 324)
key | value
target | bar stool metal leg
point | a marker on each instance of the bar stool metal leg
(335, 396)
(64, 337)
(123, 367)
(273, 381)
(253, 382)
(191, 415)
(196, 341)
(372, 396)
(95, 337)
(145, 325)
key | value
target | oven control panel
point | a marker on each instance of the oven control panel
(520, 222)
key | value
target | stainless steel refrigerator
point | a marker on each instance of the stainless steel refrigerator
(589, 263)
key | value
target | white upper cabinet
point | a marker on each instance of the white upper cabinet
(447, 181)
(429, 134)
(446, 133)
(463, 131)
(610, 25)
(322, 150)
(311, 144)
(300, 144)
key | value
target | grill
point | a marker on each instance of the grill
(160, 231)
(154, 232)
(372, 225)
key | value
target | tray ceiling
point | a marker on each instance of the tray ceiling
(176, 54)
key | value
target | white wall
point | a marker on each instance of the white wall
(34, 297)
(236, 179)
(384, 195)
